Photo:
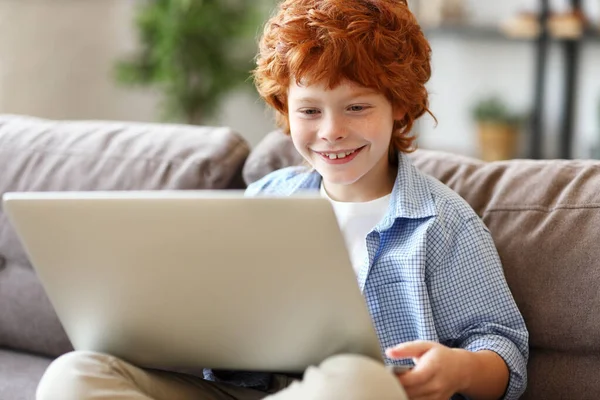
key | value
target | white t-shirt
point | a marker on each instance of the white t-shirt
(356, 220)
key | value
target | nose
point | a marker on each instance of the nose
(333, 129)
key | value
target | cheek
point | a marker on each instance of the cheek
(375, 130)
(385, 128)
(298, 138)
(301, 131)
(294, 126)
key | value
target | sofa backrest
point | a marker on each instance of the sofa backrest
(544, 217)
(545, 220)
(43, 155)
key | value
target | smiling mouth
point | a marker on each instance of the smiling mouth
(339, 155)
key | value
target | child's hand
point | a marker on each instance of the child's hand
(438, 371)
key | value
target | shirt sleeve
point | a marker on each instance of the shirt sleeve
(260, 186)
(281, 182)
(473, 306)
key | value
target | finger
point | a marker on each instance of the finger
(410, 349)
(424, 392)
(429, 396)
(426, 397)
(416, 378)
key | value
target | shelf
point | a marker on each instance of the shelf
(468, 32)
(474, 32)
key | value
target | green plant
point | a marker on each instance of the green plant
(193, 52)
(492, 109)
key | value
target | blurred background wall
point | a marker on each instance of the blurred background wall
(57, 56)
(57, 59)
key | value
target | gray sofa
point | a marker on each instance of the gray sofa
(544, 216)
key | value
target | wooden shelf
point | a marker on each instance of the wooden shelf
(474, 32)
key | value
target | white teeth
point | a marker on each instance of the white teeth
(333, 156)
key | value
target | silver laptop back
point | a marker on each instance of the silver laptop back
(196, 279)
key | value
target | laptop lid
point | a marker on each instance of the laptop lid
(198, 278)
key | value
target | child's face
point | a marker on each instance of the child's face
(344, 133)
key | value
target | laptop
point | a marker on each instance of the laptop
(207, 279)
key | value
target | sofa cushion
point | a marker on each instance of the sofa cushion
(275, 151)
(43, 155)
(562, 375)
(28, 321)
(20, 374)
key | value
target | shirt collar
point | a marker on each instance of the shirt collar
(411, 196)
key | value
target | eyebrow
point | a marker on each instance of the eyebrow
(357, 93)
(364, 92)
(307, 100)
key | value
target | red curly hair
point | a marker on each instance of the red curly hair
(375, 43)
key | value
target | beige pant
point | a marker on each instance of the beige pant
(87, 375)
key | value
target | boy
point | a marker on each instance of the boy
(347, 79)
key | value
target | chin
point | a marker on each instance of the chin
(335, 179)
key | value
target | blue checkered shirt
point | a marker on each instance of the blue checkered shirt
(432, 273)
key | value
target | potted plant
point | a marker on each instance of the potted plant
(193, 52)
(497, 129)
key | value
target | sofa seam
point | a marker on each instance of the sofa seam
(178, 160)
(545, 209)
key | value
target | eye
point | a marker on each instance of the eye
(357, 108)
(310, 112)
